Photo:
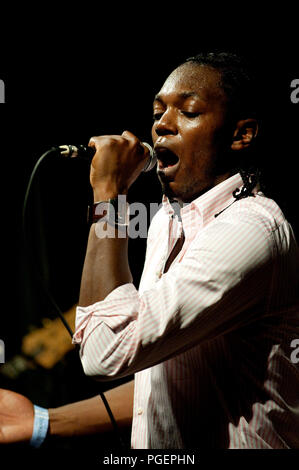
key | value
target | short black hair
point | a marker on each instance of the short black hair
(237, 80)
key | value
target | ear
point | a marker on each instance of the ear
(245, 132)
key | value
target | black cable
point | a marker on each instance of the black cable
(56, 150)
(46, 291)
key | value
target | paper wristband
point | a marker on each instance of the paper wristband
(40, 426)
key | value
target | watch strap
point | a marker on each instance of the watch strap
(115, 211)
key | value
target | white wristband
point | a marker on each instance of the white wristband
(40, 426)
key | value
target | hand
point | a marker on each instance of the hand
(16, 417)
(117, 163)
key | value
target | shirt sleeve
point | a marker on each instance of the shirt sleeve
(216, 288)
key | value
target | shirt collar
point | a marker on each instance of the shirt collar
(203, 209)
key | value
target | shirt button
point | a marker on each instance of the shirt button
(139, 411)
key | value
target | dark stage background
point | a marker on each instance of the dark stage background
(66, 94)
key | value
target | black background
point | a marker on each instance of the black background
(64, 84)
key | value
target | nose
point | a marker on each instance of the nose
(166, 124)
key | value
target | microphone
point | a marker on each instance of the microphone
(83, 151)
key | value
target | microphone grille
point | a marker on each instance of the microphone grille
(152, 160)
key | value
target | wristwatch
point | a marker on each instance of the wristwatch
(115, 211)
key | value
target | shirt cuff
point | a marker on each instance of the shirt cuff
(104, 309)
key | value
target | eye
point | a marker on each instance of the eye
(188, 114)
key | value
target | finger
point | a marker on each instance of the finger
(92, 142)
(132, 138)
(129, 135)
(142, 149)
(101, 140)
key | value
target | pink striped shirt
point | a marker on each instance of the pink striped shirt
(209, 341)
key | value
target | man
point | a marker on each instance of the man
(208, 333)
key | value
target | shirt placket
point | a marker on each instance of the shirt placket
(174, 232)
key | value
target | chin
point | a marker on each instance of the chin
(166, 189)
(167, 192)
(183, 193)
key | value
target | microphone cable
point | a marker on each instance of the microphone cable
(57, 151)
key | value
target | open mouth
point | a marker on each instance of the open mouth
(166, 158)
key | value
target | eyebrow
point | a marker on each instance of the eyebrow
(184, 95)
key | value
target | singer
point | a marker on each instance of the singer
(208, 333)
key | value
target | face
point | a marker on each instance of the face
(190, 132)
